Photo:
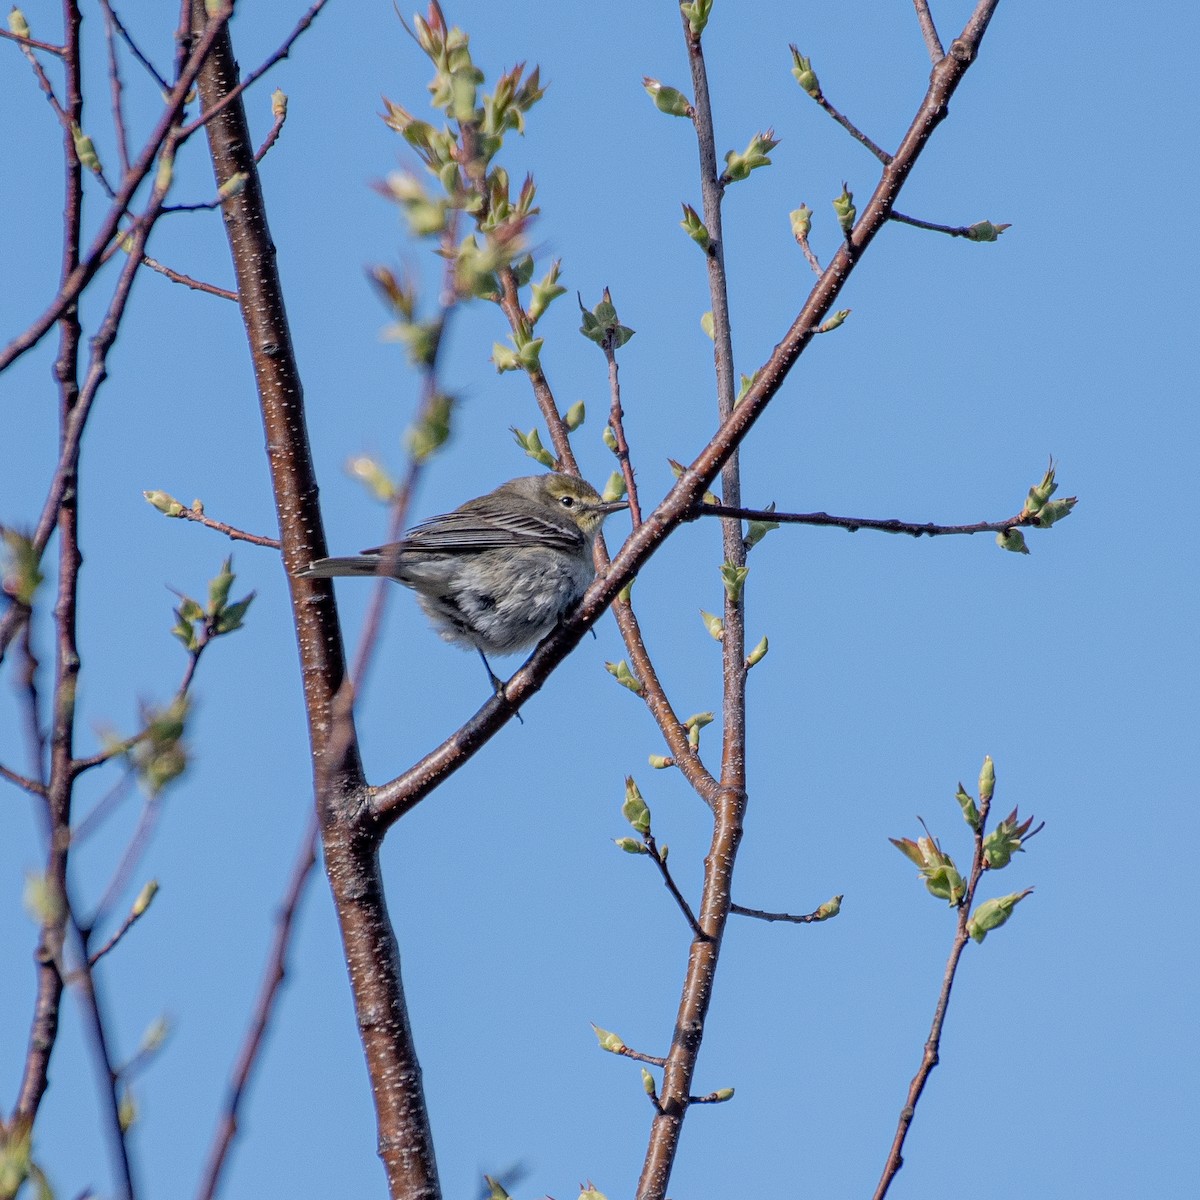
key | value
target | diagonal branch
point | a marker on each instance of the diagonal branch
(390, 800)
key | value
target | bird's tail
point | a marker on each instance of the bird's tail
(327, 568)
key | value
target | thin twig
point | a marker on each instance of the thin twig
(853, 524)
(271, 138)
(29, 43)
(853, 130)
(135, 50)
(134, 915)
(807, 919)
(114, 80)
(282, 53)
(653, 1059)
(230, 531)
(929, 32)
(967, 231)
(29, 785)
(164, 132)
(616, 418)
(32, 705)
(656, 856)
(199, 285)
(929, 1059)
(810, 257)
(274, 974)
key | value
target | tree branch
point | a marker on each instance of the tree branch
(350, 836)
(272, 982)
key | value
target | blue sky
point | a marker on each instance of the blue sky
(1069, 1058)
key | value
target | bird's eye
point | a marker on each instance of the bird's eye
(567, 501)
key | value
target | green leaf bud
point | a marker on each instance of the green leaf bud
(647, 1086)
(17, 23)
(630, 845)
(829, 909)
(714, 625)
(757, 530)
(545, 292)
(634, 809)
(166, 504)
(969, 811)
(279, 105)
(734, 579)
(722, 1094)
(1055, 510)
(801, 219)
(991, 914)
(843, 206)
(661, 761)
(667, 99)
(805, 76)
(575, 416)
(757, 654)
(531, 443)
(608, 1040)
(1006, 840)
(624, 676)
(614, 489)
(1012, 539)
(836, 321)
(987, 780)
(85, 150)
(706, 323)
(372, 475)
(504, 359)
(144, 898)
(696, 14)
(610, 438)
(695, 228)
(985, 231)
(756, 154)
(235, 185)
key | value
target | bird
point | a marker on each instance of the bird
(499, 572)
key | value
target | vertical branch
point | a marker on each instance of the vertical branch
(350, 836)
(730, 799)
(44, 1029)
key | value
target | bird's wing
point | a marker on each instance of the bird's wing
(472, 530)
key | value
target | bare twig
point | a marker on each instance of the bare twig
(616, 419)
(967, 231)
(164, 131)
(114, 82)
(929, 32)
(853, 130)
(22, 781)
(135, 50)
(659, 860)
(273, 977)
(29, 43)
(199, 285)
(807, 919)
(230, 531)
(271, 138)
(853, 524)
(135, 914)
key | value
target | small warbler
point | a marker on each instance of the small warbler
(499, 572)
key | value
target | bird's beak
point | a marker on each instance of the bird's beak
(609, 506)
